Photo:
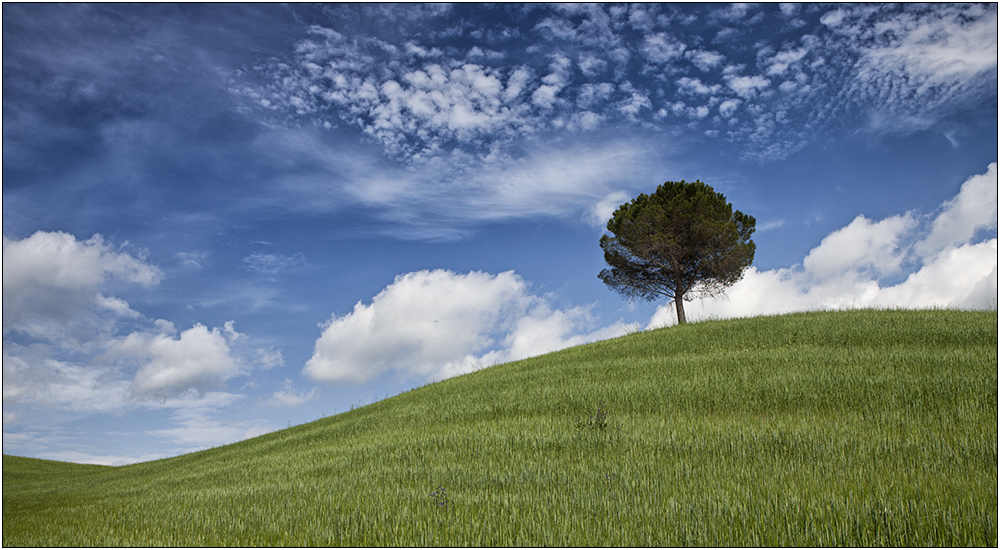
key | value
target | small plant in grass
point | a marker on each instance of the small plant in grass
(440, 496)
(597, 421)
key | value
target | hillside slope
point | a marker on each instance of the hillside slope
(857, 428)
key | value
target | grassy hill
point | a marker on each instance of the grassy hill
(857, 428)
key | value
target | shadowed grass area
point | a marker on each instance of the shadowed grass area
(856, 428)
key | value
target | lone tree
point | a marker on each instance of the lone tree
(682, 240)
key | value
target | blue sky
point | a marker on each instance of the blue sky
(219, 220)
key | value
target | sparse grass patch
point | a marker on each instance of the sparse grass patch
(859, 428)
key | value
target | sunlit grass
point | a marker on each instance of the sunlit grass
(861, 428)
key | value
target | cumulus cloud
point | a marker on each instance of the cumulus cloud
(52, 284)
(747, 86)
(662, 48)
(705, 60)
(198, 358)
(863, 246)
(435, 324)
(949, 267)
(69, 346)
(962, 277)
(972, 210)
(695, 86)
(421, 322)
(728, 107)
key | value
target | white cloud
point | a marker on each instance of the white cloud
(80, 457)
(747, 86)
(662, 48)
(591, 95)
(545, 95)
(70, 348)
(904, 67)
(783, 60)
(736, 12)
(788, 9)
(846, 268)
(435, 324)
(419, 323)
(288, 397)
(636, 102)
(728, 107)
(558, 28)
(696, 87)
(415, 49)
(543, 330)
(553, 181)
(193, 260)
(600, 212)
(964, 277)
(198, 359)
(440, 200)
(973, 209)
(52, 284)
(833, 18)
(31, 376)
(591, 65)
(705, 60)
(917, 66)
(268, 359)
(941, 48)
(585, 120)
(413, 109)
(478, 53)
(863, 246)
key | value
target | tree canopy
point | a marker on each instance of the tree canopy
(683, 240)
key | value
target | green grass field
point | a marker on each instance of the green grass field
(854, 428)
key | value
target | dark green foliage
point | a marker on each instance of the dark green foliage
(597, 421)
(682, 240)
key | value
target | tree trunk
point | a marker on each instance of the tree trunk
(679, 304)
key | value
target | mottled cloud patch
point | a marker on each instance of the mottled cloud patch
(903, 66)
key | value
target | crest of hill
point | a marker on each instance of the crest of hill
(714, 433)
